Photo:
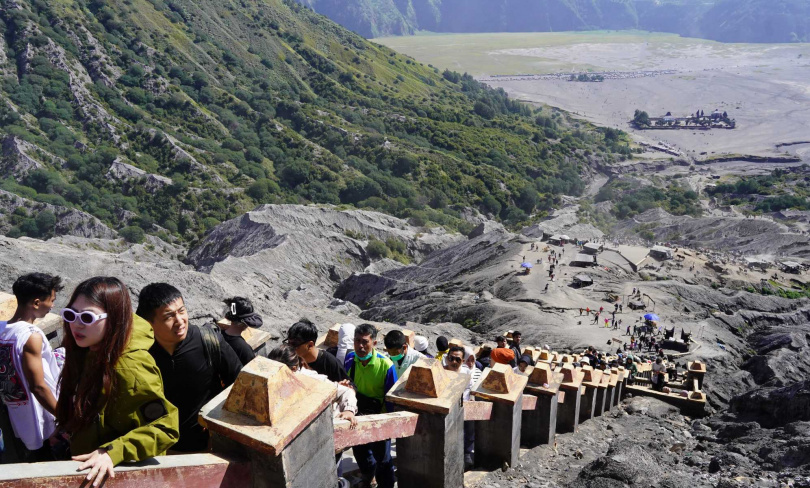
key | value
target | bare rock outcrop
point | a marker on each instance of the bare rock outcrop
(20, 157)
(564, 221)
(69, 221)
(746, 235)
(122, 171)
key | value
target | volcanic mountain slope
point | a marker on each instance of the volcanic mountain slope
(756, 348)
(172, 116)
(722, 20)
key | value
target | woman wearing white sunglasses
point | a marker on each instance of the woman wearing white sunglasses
(111, 399)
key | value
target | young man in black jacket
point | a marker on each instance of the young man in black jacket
(302, 337)
(196, 364)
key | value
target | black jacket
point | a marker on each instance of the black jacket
(240, 347)
(189, 383)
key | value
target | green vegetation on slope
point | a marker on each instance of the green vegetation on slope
(782, 190)
(630, 198)
(261, 101)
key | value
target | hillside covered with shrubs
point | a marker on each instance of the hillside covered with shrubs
(174, 115)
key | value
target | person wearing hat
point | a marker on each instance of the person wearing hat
(584, 361)
(239, 312)
(502, 354)
(524, 362)
(442, 345)
(420, 343)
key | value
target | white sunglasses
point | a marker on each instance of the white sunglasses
(87, 318)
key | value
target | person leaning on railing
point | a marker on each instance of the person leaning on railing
(111, 400)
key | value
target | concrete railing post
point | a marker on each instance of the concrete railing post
(540, 425)
(280, 421)
(568, 411)
(610, 394)
(497, 441)
(616, 377)
(590, 380)
(434, 456)
(696, 371)
(601, 395)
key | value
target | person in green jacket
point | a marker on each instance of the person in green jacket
(111, 399)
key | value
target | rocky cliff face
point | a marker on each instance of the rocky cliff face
(288, 259)
(292, 260)
(68, 221)
(748, 235)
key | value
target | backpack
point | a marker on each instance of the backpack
(211, 347)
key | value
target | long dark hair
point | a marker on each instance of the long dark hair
(81, 384)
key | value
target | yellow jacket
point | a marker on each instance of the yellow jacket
(138, 422)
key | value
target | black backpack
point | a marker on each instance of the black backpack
(211, 347)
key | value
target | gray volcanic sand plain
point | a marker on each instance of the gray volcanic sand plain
(766, 88)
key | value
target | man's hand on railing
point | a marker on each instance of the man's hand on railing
(100, 465)
(350, 417)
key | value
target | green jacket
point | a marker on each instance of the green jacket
(138, 422)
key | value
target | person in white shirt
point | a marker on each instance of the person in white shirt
(658, 370)
(401, 354)
(345, 341)
(29, 371)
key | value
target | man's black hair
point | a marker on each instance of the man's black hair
(29, 287)
(441, 343)
(303, 331)
(500, 338)
(153, 296)
(363, 330)
(242, 306)
(456, 348)
(395, 340)
(516, 333)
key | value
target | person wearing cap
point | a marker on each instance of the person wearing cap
(239, 312)
(420, 343)
(400, 353)
(524, 362)
(442, 346)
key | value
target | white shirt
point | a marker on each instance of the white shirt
(411, 357)
(659, 368)
(31, 423)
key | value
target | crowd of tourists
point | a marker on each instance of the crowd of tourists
(127, 385)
